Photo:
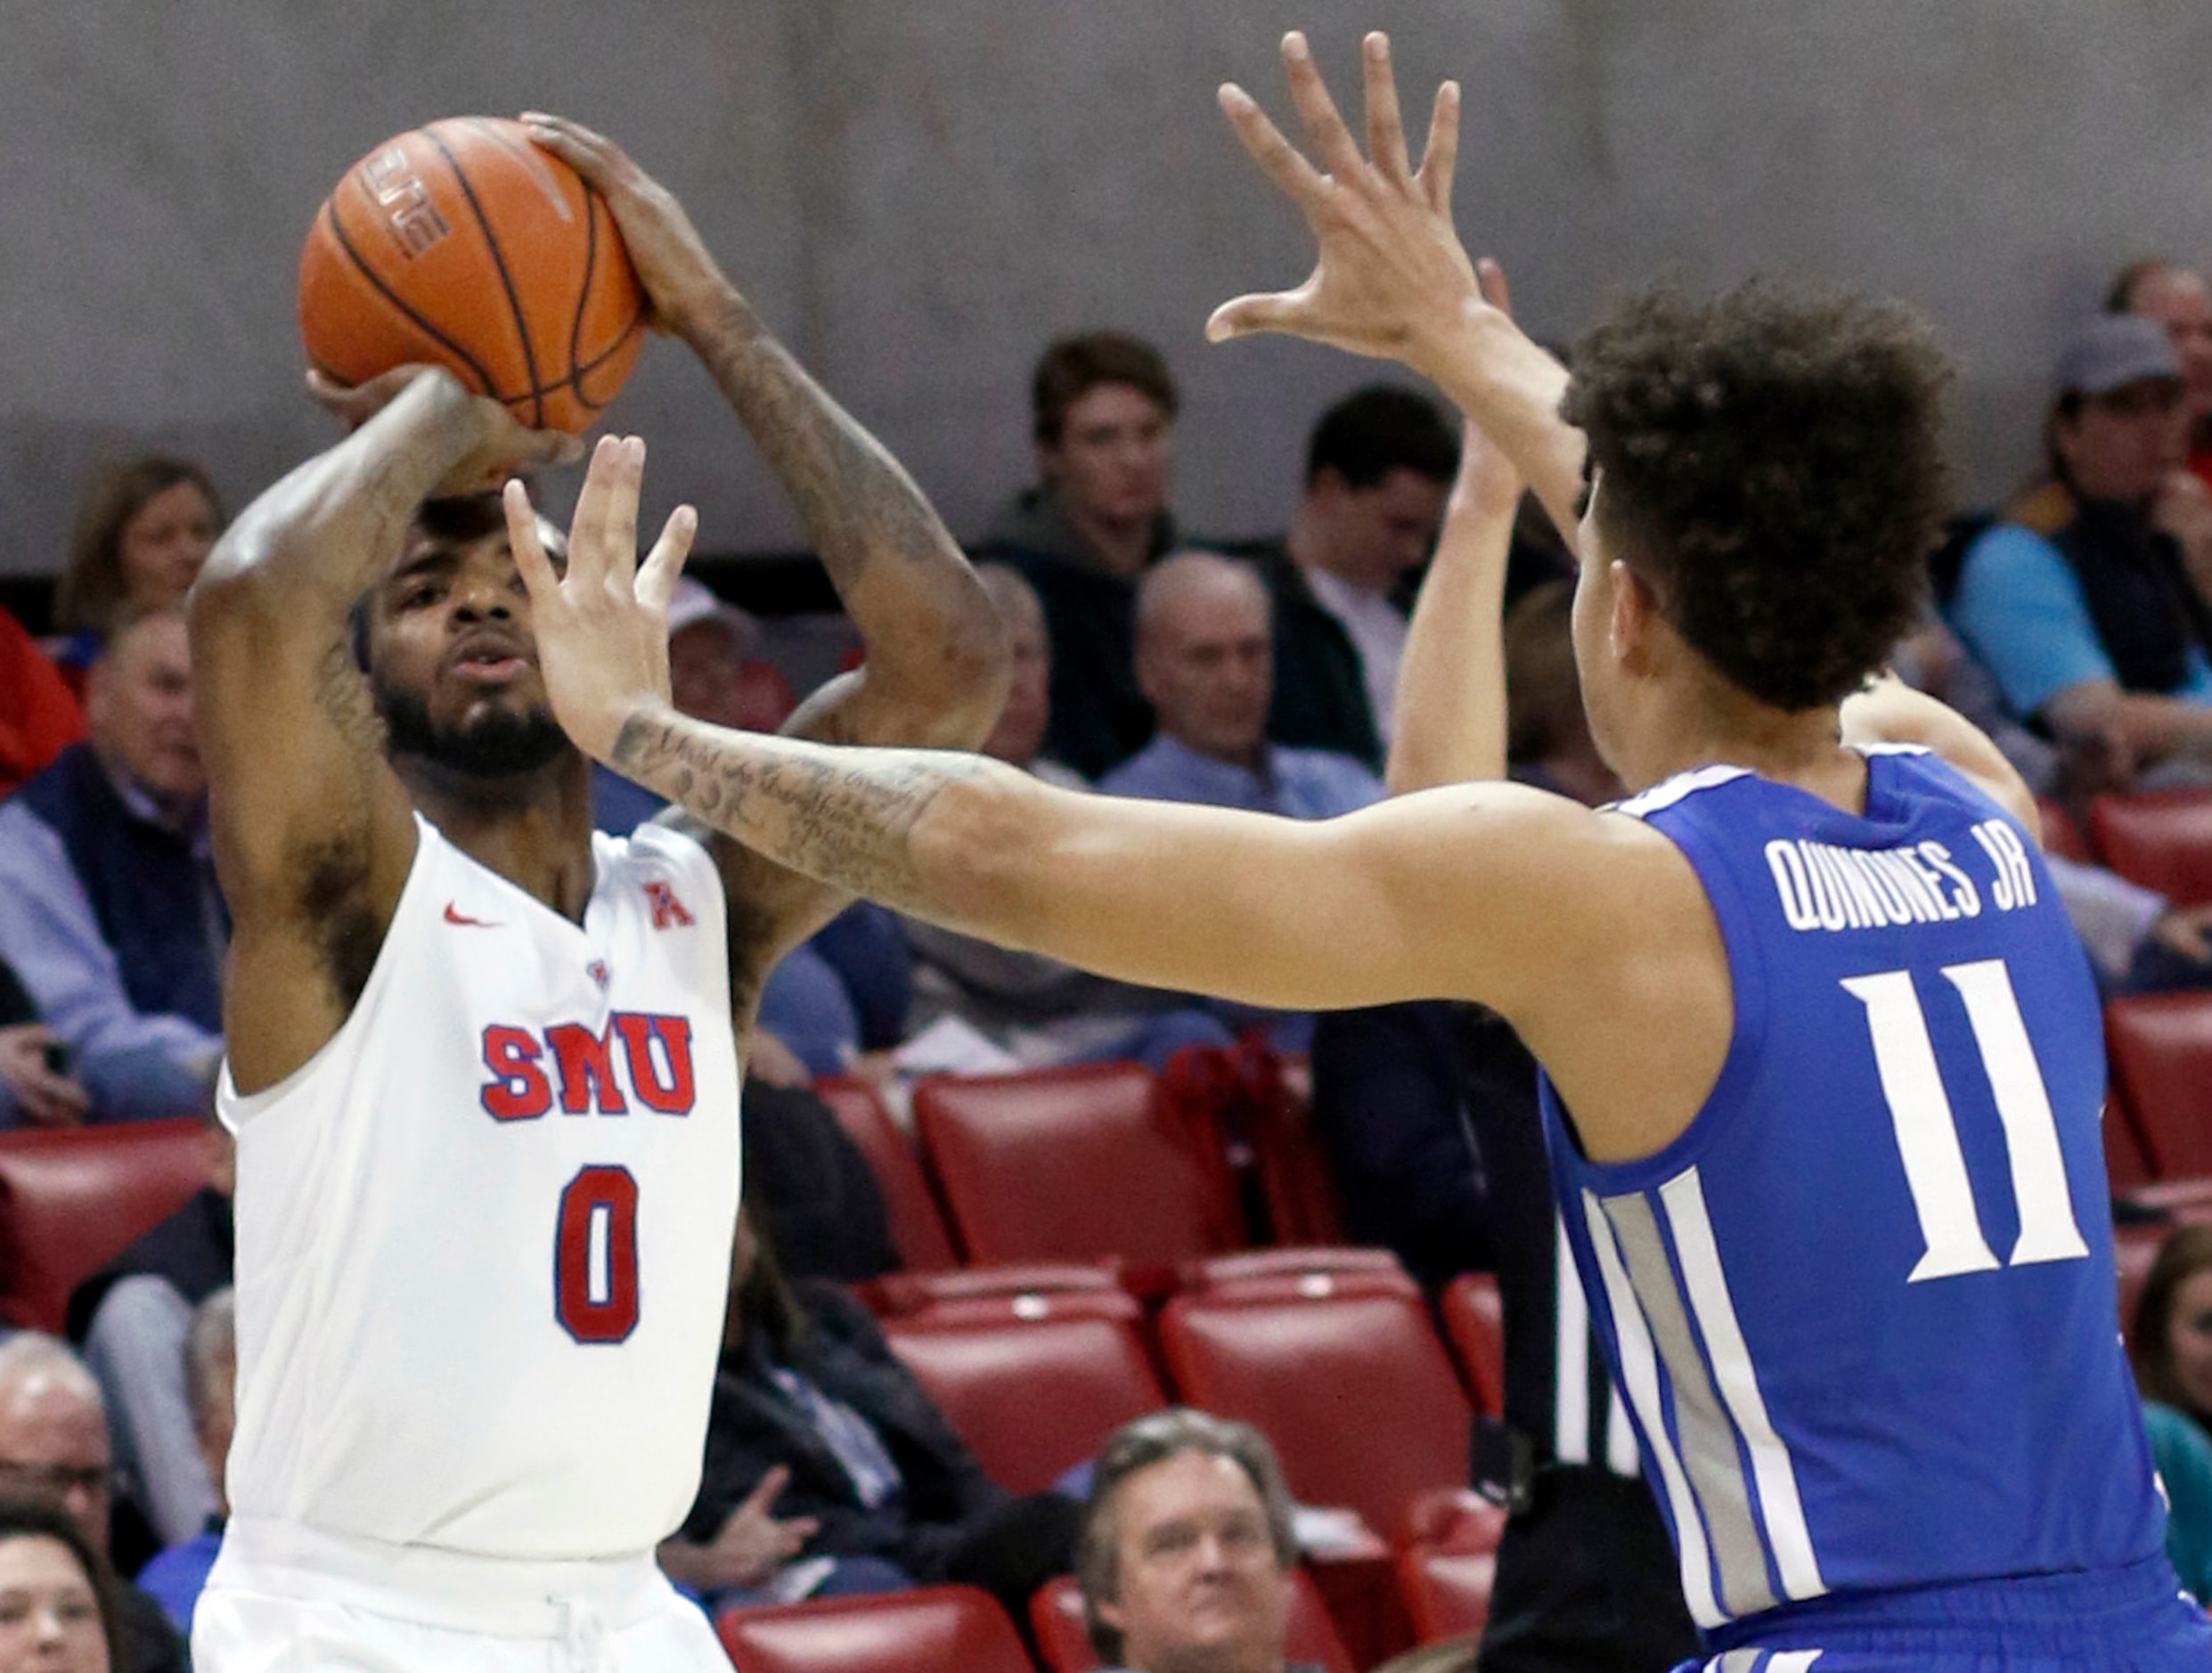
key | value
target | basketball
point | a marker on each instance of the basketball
(463, 245)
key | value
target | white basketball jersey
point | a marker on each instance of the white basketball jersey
(484, 1234)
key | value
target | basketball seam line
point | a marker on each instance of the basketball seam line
(338, 231)
(584, 291)
(499, 261)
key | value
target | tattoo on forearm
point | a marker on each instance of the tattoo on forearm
(855, 498)
(848, 822)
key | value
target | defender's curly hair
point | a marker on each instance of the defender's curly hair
(1774, 469)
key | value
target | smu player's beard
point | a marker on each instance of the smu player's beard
(497, 744)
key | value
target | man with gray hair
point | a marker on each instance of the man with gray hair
(1205, 662)
(1185, 1550)
(55, 1450)
(177, 1576)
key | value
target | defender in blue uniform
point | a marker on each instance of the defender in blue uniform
(1822, 1057)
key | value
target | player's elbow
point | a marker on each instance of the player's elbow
(956, 687)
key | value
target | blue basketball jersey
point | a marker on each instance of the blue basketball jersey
(1863, 1309)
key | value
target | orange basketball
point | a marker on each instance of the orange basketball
(463, 245)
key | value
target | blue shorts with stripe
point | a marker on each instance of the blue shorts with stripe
(2133, 1619)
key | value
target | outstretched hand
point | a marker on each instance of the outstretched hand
(1392, 274)
(602, 625)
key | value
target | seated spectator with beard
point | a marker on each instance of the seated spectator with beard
(2182, 302)
(110, 914)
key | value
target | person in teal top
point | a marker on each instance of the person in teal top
(2171, 1345)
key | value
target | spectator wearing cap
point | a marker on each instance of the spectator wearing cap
(2182, 302)
(2095, 629)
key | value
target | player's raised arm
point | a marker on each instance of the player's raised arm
(1450, 714)
(1295, 914)
(1392, 278)
(313, 832)
(936, 665)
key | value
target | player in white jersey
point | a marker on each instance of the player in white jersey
(482, 1063)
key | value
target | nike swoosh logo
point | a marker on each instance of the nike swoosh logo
(455, 915)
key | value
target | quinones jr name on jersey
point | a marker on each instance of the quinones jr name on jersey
(1826, 887)
(637, 1057)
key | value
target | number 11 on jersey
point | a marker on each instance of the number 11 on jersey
(1927, 1130)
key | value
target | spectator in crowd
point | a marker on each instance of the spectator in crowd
(131, 1320)
(2138, 941)
(1206, 661)
(61, 1613)
(53, 1447)
(713, 676)
(2171, 1345)
(2097, 628)
(1186, 1552)
(39, 713)
(175, 1575)
(1102, 407)
(2180, 300)
(1037, 1009)
(807, 1384)
(143, 530)
(36, 1087)
(109, 908)
(1378, 466)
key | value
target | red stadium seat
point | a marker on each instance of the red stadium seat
(1057, 1614)
(1355, 1392)
(2162, 839)
(1017, 1289)
(937, 1629)
(2062, 834)
(2160, 1046)
(1474, 1324)
(71, 1201)
(1034, 1398)
(1447, 1571)
(916, 1225)
(1283, 1274)
(1078, 1163)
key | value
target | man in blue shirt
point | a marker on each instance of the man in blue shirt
(108, 910)
(2097, 629)
(1205, 662)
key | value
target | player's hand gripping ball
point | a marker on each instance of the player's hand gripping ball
(463, 245)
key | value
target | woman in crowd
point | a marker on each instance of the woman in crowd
(145, 527)
(57, 1607)
(2171, 1345)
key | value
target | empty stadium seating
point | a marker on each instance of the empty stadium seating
(1281, 1274)
(1354, 1390)
(917, 1225)
(1056, 1615)
(1447, 1570)
(71, 1201)
(1079, 1163)
(2162, 839)
(1033, 1398)
(938, 1629)
(2160, 1047)
(2062, 834)
(1020, 1288)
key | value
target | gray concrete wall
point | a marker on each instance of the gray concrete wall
(918, 192)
